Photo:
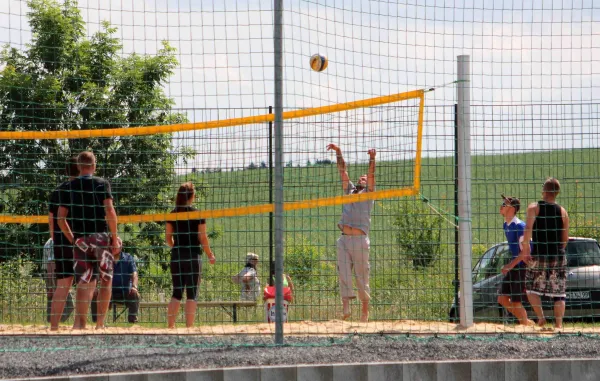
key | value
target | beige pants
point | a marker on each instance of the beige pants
(353, 253)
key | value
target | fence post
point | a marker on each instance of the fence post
(271, 260)
(278, 68)
(463, 90)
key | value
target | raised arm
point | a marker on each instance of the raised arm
(371, 173)
(341, 165)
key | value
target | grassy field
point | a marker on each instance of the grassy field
(399, 291)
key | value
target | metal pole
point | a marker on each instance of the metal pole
(278, 53)
(271, 262)
(456, 235)
(463, 92)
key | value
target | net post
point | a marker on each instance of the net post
(456, 213)
(278, 68)
(271, 261)
(463, 92)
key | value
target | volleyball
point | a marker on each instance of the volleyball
(318, 62)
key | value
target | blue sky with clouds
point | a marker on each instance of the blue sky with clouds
(521, 52)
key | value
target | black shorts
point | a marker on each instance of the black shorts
(63, 259)
(513, 284)
(185, 274)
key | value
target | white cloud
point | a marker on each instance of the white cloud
(530, 54)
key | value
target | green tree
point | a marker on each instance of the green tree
(64, 80)
(418, 232)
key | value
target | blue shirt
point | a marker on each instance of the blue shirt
(123, 273)
(514, 235)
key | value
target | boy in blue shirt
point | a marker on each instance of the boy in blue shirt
(512, 291)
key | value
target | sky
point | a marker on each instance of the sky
(522, 53)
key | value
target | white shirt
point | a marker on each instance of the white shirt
(249, 291)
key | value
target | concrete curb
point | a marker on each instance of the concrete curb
(475, 370)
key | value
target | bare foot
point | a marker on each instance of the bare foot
(364, 318)
(346, 315)
(528, 323)
(541, 323)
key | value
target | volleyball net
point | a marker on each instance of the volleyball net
(167, 93)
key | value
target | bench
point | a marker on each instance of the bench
(230, 306)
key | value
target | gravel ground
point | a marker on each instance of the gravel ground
(22, 357)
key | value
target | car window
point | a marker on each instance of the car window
(503, 257)
(483, 267)
(583, 253)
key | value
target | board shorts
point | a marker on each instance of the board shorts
(547, 276)
(513, 284)
(93, 258)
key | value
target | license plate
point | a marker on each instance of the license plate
(578, 295)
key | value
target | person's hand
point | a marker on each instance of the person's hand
(333, 147)
(133, 291)
(372, 153)
(505, 269)
(116, 248)
(211, 258)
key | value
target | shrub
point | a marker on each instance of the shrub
(418, 232)
(301, 258)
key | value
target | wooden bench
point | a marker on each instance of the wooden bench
(225, 305)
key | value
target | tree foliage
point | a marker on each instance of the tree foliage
(64, 80)
(418, 232)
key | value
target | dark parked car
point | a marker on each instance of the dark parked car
(583, 283)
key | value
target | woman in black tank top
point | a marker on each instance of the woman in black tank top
(185, 237)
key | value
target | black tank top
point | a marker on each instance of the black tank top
(547, 230)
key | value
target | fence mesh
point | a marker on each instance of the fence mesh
(98, 65)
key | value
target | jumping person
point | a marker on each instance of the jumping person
(185, 237)
(512, 292)
(60, 265)
(92, 229)
(548, 226)
(353, 245)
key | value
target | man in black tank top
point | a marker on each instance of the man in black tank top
(548, 227)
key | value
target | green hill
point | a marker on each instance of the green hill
(399, 291)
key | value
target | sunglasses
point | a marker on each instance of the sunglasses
(505, 206)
